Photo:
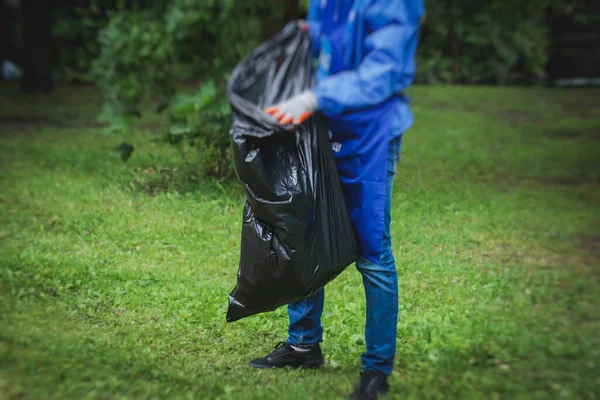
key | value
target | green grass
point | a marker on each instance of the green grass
(114, 277)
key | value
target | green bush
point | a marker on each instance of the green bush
(212, 35)
(136, 61)
(142, 51)
(471, 42)
(201, 121)
(75, 34)
(75, 27)
(143, 54)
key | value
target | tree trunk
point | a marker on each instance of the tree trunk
(5, 33)
(452, 39)
(38, 60)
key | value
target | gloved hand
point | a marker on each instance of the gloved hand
(295, 110)
(302, 24)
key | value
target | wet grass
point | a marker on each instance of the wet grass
(114, 277)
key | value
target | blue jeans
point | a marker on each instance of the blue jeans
(381, 289)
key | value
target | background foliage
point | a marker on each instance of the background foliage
(147, 56)
(461, 41)
(499, 42)
(479, 42)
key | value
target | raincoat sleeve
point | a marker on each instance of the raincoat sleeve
(314, 26)
(391, 34)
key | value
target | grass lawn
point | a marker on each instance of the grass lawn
(114, 276)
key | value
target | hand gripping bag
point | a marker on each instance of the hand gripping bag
(296, 232)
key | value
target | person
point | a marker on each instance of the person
(366, 58)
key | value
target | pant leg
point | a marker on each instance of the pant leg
(381, 289)
(305, 320)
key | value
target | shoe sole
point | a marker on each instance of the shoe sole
(307, 365)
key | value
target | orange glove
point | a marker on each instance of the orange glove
(295, 110)
(303, 25)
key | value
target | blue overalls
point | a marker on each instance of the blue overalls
(366, 58)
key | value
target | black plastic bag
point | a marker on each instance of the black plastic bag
(296, 233)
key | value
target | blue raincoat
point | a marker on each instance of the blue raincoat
(366, 51)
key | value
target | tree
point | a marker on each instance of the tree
(38, 50)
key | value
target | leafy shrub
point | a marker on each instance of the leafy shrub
(211, 35)
(141, 49)
(201, 121)
(477, 42)
(135, 62)
(75, 27)
(142, 53)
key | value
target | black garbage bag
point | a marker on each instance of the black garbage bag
(296, 233)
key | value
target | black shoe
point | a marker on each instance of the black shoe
(371, 384)
(284, 356)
